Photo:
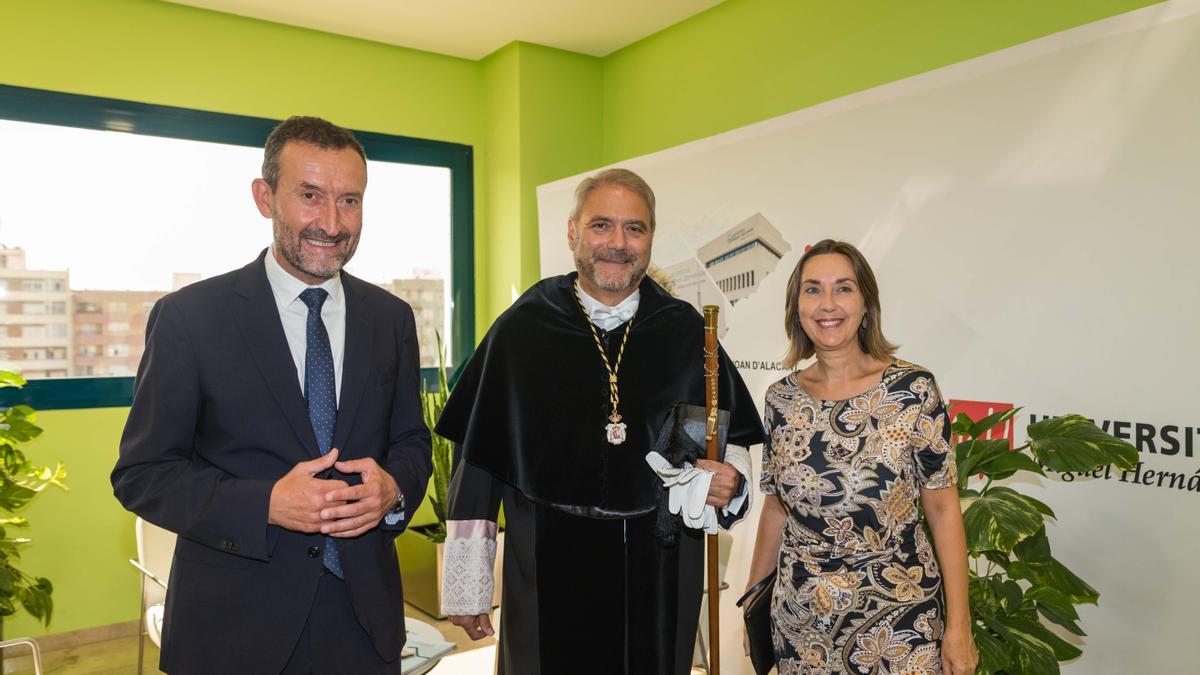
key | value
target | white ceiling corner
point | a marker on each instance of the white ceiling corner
(473, 29)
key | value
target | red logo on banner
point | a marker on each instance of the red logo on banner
(978, 410)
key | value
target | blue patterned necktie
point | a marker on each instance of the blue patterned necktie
(320, 393)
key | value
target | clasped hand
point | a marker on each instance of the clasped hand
(302, 502)
(726, 482)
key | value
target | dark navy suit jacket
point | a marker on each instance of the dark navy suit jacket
(218, 417)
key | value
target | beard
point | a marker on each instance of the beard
(310, 262)
(587, 268)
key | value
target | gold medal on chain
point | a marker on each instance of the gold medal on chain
(615, 430)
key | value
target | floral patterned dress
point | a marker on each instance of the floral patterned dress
(858, 589)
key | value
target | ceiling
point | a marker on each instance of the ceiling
(474, 28)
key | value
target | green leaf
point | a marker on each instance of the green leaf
(980, 595)
(1006, 464)
(1027, 655)
(1008, 592)
(8, 579)
(1072, 443)
(9, 548)
(433, 402)
(37, 601)
(22, 411)
(997, 558)
(20, 481)
(13, 496)
(1035, 548)
(970, 454)
(993, 657)
(999, 520)
(8, 379)
(1054, 574)
(22, 430)
(1041, 506)
(982, 426)
(961, 425)
(1056, 607)
(1063, 650)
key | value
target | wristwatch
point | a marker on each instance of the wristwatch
(395, 514)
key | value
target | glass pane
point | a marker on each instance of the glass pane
(96, 226)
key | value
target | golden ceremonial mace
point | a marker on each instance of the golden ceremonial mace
(711, 451)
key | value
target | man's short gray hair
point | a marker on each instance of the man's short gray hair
(622, 177)
(312, 130)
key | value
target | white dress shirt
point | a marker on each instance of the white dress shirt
(607, 317)
(294, 315)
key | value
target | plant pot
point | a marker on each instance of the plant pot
(421, 569)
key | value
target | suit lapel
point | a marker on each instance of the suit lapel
(258, 319)
(356, 360)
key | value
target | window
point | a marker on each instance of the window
(118, 351)
(161, 145)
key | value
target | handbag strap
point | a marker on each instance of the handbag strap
(755, 589)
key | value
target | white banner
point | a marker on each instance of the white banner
(1033, 217)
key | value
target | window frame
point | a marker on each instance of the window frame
(23, 104)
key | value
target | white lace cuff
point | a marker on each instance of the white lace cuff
(469, 557)
(739, 458)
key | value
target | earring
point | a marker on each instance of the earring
(863, 325)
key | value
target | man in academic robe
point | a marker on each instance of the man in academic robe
(554, 418)
(276, 428)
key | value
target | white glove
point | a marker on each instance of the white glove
(687, 492)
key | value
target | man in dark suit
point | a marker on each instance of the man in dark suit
(276, 427)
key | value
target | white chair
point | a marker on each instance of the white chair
(155, 550)
(424, 649)
(33, 647)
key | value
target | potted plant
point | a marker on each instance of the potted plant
(20, 482)
(420, 547)
(1017, 588)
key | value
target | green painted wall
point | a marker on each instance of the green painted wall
(498, 257)
(561, 132)
(532, 113)
(544, 123)
(82, 537)
(744, 61)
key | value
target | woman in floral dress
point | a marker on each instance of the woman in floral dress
(854, 441)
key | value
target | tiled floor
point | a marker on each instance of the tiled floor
(119, 657)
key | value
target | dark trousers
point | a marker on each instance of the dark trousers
(333, 642)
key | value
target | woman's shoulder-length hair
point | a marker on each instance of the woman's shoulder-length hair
(870, 334)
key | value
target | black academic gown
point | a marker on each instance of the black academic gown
(588, 587)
